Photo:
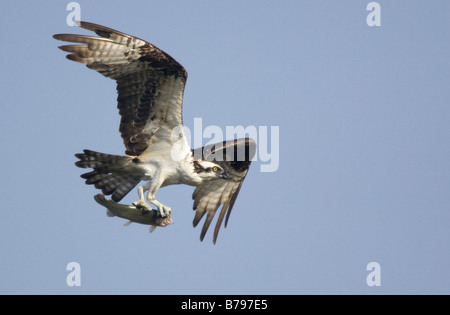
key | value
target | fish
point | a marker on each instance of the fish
(133, 213)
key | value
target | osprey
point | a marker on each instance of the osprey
(150, 86)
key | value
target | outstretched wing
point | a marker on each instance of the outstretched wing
(235, 158)
(150, 83)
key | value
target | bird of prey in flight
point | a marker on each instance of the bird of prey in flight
(150, 86)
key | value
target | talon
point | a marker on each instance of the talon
(142, 205)
(164, 211)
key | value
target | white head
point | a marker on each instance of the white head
(209, 170)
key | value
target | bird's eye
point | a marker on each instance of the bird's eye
(215, 168)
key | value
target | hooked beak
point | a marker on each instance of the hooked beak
(224, 174)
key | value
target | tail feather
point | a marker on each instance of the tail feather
(110, 173)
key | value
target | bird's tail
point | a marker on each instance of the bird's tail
(109, 173)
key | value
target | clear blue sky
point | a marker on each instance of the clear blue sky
(364, 171)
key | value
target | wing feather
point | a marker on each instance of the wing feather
(150, 83)
(209, 196)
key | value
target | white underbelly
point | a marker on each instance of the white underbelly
(170, 166)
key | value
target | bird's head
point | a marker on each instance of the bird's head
(209, 170)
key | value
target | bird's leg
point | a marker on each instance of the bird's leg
(141, 203)
(164, 211)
